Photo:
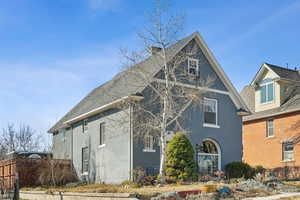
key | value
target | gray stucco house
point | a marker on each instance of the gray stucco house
(98, 135)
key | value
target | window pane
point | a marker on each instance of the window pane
(270, 92)
(210, 107)
(263, 97)
(102, 133)
(270, 128)
(85, 159)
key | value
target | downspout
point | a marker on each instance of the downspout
(130, 143)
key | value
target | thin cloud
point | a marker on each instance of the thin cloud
(261, 26)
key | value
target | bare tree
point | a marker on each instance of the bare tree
(23, 139)
(172, 88)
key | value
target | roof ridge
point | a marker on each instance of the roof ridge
(282, 67)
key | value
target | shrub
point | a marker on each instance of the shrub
(180, 159)
(239, 170)
(259, 169)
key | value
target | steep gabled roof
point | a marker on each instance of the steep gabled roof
(285, 73)
(118, 87)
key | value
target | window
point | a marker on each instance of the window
(210, 111)
(85, 126)
(85, 160)
(63, 134)
(288, 151)
(102, 134)
(267, 93)
(270, 128)
(193, 66)
(148, 143)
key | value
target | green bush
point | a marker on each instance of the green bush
(180, 159)
(239, 170)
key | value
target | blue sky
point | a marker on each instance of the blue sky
(52, 53)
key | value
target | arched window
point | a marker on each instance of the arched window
(209, 157)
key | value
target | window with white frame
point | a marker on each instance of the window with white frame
(148, 143)
(193, 66)
(287, 151)
(85, 160)
(102, 133)
(270, 128)
(210, 107)
(267, 92)
(85, 126)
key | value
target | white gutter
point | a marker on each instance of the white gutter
(102, 108)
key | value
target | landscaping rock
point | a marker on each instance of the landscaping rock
(167, 196)
(251, 185)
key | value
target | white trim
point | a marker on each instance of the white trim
(211, 125)
(266, 84)
(149, 150)
(218, 148)
(101, 146)
(197, 67)
(193, 86)
(260, 72)
(268, 128)
(208, 124)
(234, 95)
(103, 108)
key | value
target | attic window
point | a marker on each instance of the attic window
(193, 66)
(267, 92)
(85, 126)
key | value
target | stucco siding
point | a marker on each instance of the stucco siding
(62, 147)
(109, 163)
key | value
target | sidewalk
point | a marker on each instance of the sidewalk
(274, 197)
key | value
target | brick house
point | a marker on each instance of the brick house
(271, 134)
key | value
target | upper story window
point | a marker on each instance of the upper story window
(85, 126)
(148, 143)
(210, 108)
(267, 92)
(270, 128)
(287, 151)
(193, 66)
(102, 134)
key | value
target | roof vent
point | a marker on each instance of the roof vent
(154, 50)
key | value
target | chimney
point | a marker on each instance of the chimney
(154, 50)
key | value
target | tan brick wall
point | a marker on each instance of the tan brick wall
(260, 150)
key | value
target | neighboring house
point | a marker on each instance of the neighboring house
(99, 135)
(271, 134)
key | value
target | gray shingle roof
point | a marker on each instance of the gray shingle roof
(290, 106)
(284, 72)
(291, 103)
(123, 84)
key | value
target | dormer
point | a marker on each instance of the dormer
(272, 86)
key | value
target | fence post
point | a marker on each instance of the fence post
(61, 196)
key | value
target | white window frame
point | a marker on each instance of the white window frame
(102, 134)
(151, 144)
(209, 124)
(82, 170)
(85, 126)
(197, 68)
(266, 84)
(268, 128)
(283, 152)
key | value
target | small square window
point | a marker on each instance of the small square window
(193, 66)
(270, 128)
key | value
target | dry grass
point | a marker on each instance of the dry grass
(101, 188)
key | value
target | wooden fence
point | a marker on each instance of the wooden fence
(35, 172)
